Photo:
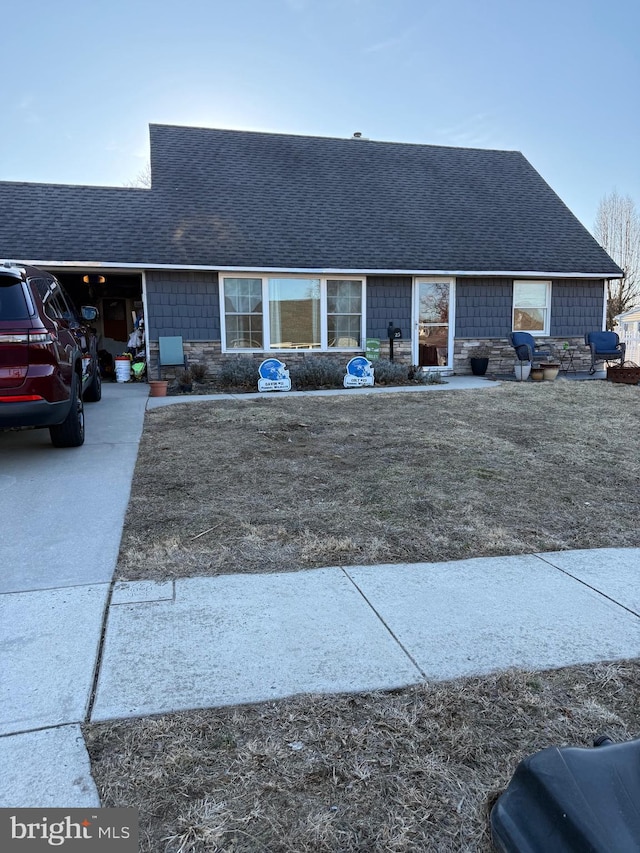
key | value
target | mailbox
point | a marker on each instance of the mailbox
(393, 332)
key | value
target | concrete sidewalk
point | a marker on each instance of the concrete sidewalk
(232, 639)
(75, 649)
(451, 383)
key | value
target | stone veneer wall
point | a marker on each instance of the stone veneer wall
(501, 359)
(210, 354)
(502, 355)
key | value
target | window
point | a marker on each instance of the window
(292, 312)
(531, 306)
(243, 313)
(344, 312)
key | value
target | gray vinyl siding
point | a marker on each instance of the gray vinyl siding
(576, 306)
(184, 303)
(483, 307)
(388, 299)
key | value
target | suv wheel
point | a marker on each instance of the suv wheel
(94, 390)
(70, 433)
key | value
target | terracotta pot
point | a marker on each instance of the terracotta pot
(537, 374)
(158, 387)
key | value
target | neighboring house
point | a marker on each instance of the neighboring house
(254, 243)
(628, 328)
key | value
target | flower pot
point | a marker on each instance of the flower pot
(550, 371)
(537, 374)
(158, 387)
(522, 369)
(479, 365)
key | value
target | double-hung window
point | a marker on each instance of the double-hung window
(292, 312)
(531, 307)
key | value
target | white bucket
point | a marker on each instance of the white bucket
(123, 369)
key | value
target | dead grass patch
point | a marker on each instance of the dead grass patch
(414, 769)
(288, 483)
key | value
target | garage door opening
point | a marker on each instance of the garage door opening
(118, 298)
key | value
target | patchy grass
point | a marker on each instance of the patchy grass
(279, 484)
(285, 483)
(414, 769)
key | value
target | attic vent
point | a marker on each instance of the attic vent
(358, 135)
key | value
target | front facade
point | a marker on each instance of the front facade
(251, 243)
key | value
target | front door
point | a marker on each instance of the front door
(433, 310)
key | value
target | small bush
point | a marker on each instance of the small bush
(432, 377)
(315, 373)
(390, 372)
(198, 372)
(184, 377)
(425, 377)
(240, 372)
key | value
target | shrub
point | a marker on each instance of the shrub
(389, 372)
(198, 372)
(184, 377)
(314, 373)
(240, 372)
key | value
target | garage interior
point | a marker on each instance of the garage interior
(116, 295)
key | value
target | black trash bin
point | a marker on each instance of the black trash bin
(572, 800)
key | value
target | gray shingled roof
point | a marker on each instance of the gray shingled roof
(234, 198)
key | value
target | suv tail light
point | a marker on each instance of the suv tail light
(41, 336)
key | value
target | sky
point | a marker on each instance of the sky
(558, 80)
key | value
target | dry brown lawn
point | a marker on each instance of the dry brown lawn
(401, 772)
(280, 484)
(283, 483)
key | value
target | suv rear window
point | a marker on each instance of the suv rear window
(13, 305)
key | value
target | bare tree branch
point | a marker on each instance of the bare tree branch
(617, 229)
(142, 179)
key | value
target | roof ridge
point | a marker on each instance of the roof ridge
(365, 140)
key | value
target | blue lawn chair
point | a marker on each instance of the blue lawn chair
(604, 346)
(525, 347)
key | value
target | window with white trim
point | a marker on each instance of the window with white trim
(531, 307)
(292, 312)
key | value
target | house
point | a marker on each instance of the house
(628, 328)
(254, 243)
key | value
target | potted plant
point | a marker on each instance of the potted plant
(479, 358)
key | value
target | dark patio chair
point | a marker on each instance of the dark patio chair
(526, 348)
(604, 346)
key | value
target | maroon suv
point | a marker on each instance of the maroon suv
(48, 356)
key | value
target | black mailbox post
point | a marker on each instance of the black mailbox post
(394, 334)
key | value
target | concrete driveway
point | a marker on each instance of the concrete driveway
(62, 512)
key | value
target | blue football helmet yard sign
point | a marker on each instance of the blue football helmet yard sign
(274, 376)
(359, 373)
